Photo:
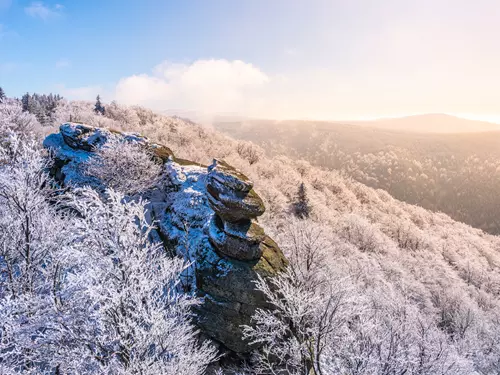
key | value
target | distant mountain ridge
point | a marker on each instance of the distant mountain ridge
(439, 123)
(430, 123)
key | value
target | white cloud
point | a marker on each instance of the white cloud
(236, 87)
(205, 85)
(63, 63)
(38, 9)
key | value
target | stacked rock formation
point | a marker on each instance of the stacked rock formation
(240, 253)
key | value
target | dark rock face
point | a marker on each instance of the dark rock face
(243, 243)
(161, 153)
(229, 295)
(241, 254)
(208, 216)
(82, 137)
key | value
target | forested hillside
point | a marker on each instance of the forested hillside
(374, 285)
(457, 174)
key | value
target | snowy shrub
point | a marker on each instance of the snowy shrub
(123, 166)
(362, 234)
(249, 151)
(14, 120)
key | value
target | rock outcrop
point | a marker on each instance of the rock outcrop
(88, 139)
(207, 215)
(240, 253)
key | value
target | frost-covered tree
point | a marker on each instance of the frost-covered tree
(14, 121)
(310, 309)
(323, 323)
(2, 95)
(41, 105)
(249, 151)
(139, 320)
(34, 238)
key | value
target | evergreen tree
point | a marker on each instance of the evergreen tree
(301, 207)
(2, 95)
(26, 99)
(99, 108)
(41, 105)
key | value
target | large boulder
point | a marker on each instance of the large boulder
(235, 206)
(89, 138)
(83, 137)
(75, 143)
(160, 153)
(228, 176)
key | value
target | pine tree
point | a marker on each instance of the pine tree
(41, 105)
(99, 108)
(301, 207)
(26, 99)
(2, 95)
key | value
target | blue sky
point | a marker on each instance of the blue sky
(102, 41)
(325, 59)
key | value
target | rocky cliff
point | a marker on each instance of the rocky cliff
(208, 215)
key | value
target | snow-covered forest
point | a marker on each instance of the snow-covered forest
(456, 173)
(373, 285)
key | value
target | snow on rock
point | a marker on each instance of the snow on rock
(88, 138)
(68, 162)
(206, 215)
(187, 211)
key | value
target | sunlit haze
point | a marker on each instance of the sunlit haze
(328, 60)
